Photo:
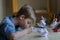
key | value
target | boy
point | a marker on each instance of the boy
(13, 27)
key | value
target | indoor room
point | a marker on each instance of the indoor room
(29, 19)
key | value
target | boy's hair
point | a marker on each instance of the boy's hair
(28, 11)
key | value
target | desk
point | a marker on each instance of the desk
(32, 36)
(35, 36)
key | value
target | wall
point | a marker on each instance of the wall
(55, 6)
(58, 6)
(1, 10)
(8, 4)
(36, 4)
(41, 4)
(5, 8)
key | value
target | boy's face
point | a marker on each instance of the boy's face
(25, 23)
(28, 22)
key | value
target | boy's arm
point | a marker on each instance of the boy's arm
(18, 34)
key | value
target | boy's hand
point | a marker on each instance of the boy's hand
(29, 30)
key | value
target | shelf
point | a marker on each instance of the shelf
(41, 11)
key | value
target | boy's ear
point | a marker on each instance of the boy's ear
(22, 17)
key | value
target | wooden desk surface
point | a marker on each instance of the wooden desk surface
(32, 36)
(35, 36)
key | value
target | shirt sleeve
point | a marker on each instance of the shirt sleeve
(9, 30)
(9, 27)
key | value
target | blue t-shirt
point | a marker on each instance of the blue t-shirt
(8, 28)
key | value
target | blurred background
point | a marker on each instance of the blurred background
(47, 8)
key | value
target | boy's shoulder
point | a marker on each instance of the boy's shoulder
(7, 20)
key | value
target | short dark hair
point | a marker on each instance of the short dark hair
(28, 11)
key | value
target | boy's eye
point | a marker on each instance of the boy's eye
(28, 22)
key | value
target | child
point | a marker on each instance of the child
(41, 27)
(17, 26)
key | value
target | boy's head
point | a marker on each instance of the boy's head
(26, 16)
